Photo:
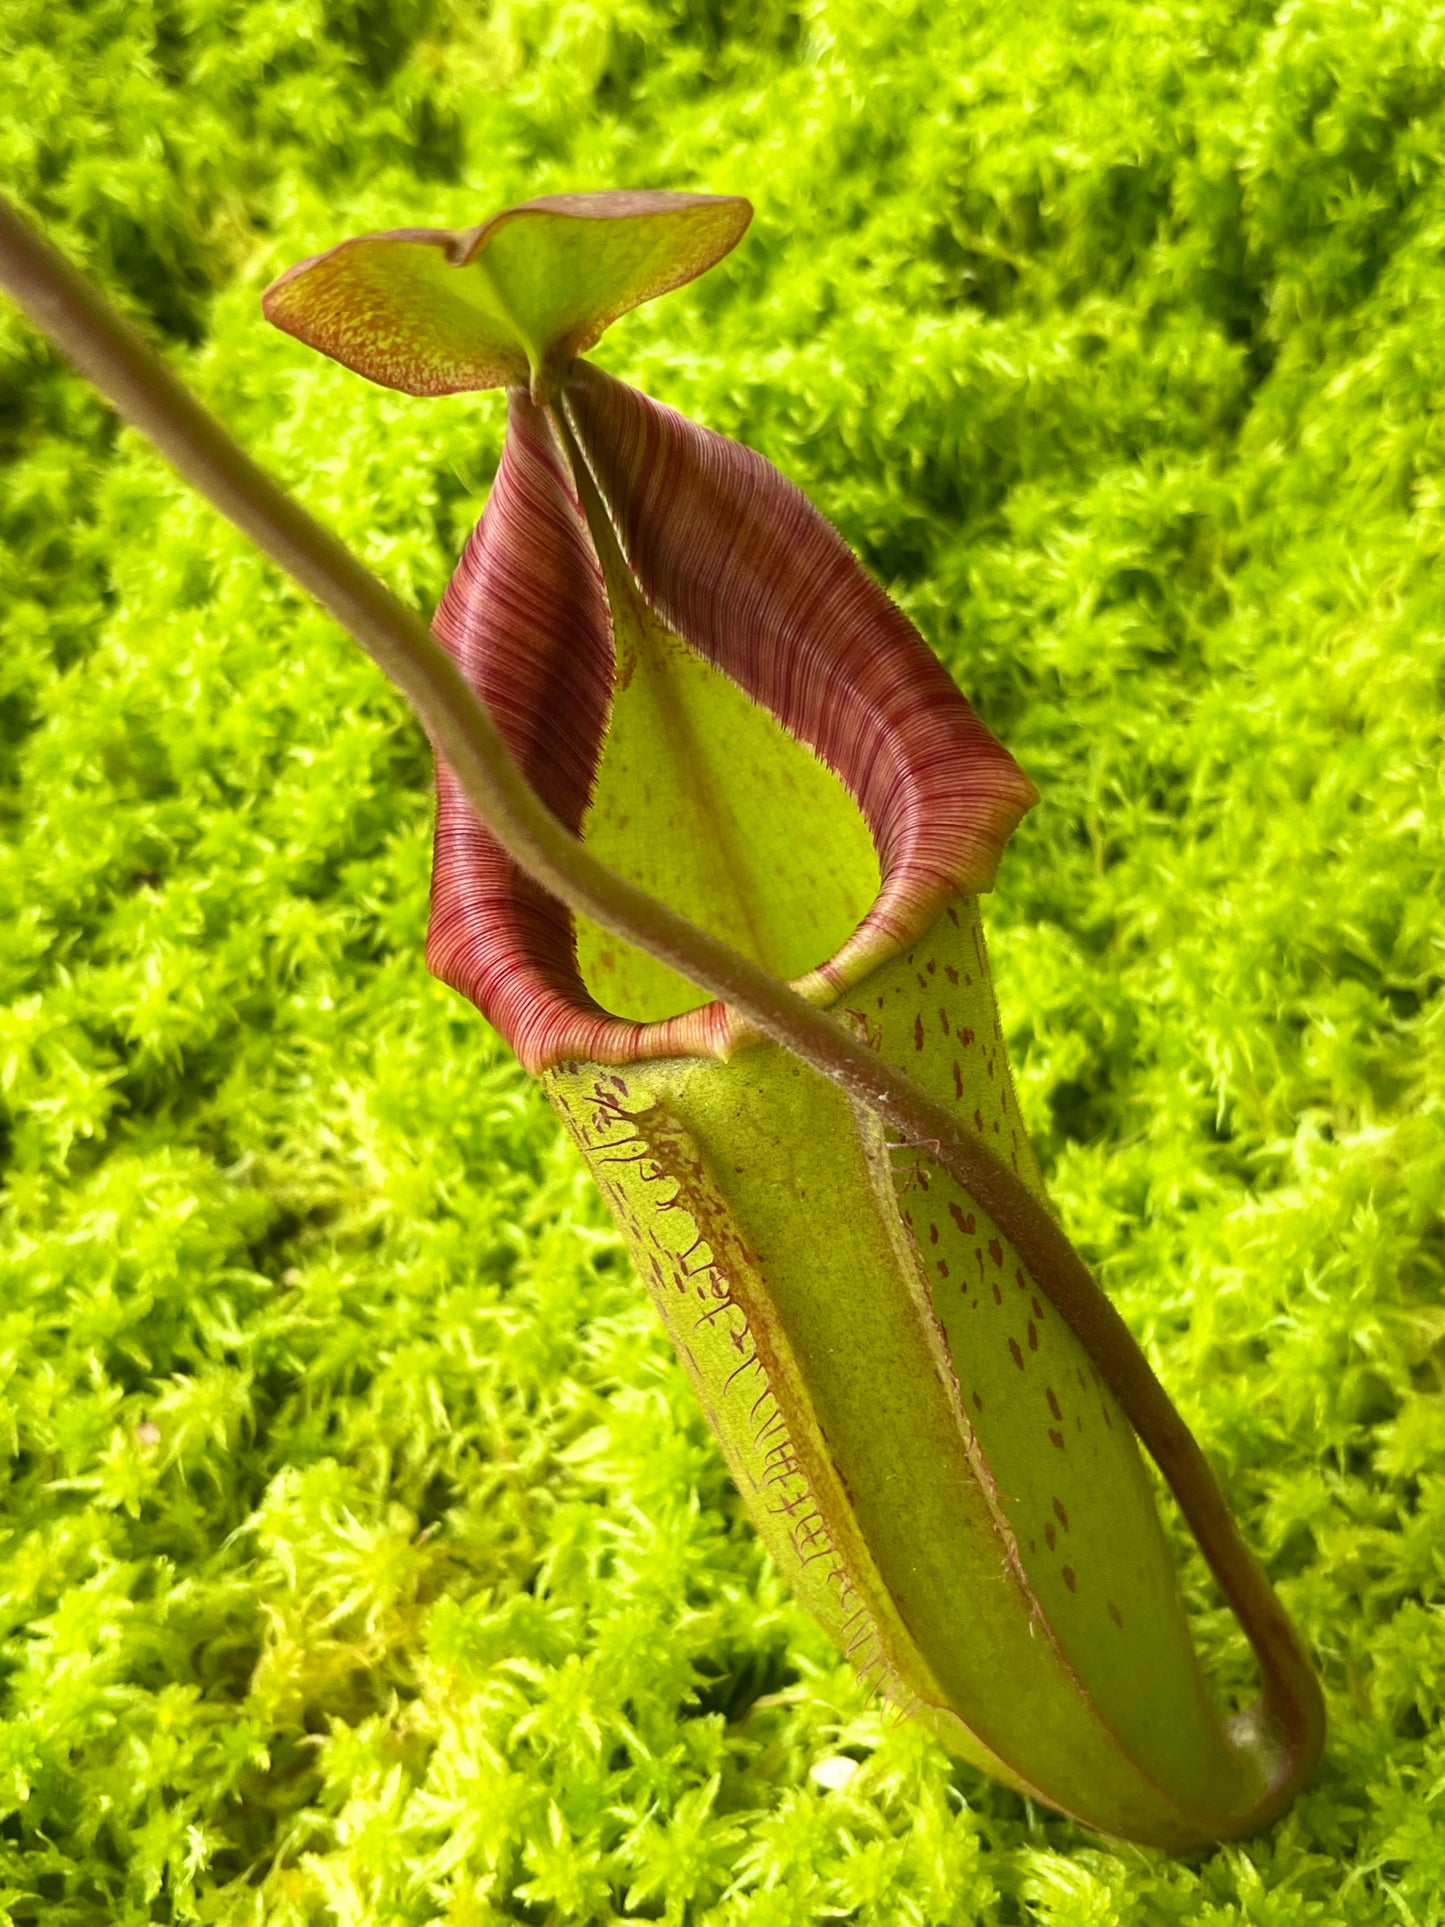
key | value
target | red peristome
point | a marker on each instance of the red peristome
(741, 566)
(739, 563)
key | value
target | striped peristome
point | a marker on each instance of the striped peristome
(777, 602)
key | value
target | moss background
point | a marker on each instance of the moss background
(363, 1558)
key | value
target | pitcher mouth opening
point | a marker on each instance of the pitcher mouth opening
(617, 532)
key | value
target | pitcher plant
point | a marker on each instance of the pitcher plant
(755, 774)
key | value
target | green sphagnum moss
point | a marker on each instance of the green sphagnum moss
(363, 1558)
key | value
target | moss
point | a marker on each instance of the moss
(362, 1556)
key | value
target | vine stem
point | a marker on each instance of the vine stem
(1283, 1734)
